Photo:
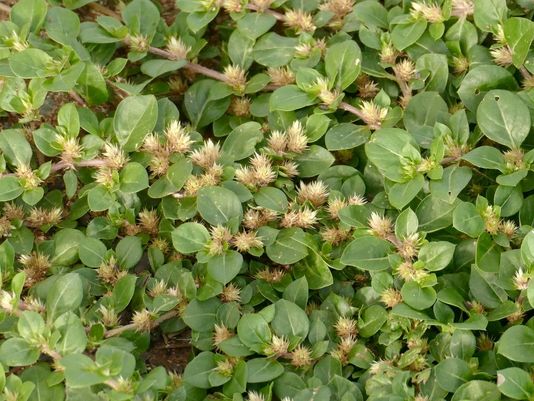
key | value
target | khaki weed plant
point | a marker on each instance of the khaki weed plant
(266, 200)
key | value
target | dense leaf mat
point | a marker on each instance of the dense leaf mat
(266, 200)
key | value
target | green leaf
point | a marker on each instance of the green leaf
(273, 50)
(489, 13)
(346, 136)
(371, 320)
(418, 297)
(289, 98)
(65, 295)
(15, 147)
(515, 383)
(263, 370)
(189, 238)
(253, 331)
(404, 35)
(219, 206)
(10, 188)
(135, 117)
(173, 181)
(81, 371)
(129, 251)
(18, 352)
(452, 373)
(343, 63)
(517, 344)
(92, 252)
(519, 34)
(314, 161)
(436, 255)
(62, 25)
(477, 390)
(504, 118)
(133, 178)
(242, 141)
(30, 13)
(367, 253)
(467, 220)
(271, 198)
(31, 63)
(141, 17)
(223, 268)
(123, 292)
(290, 320)
(289, 246)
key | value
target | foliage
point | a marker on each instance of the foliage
(329, 200)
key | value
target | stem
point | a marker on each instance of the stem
(351, 109)
(84, 163)
(77, 98)
(5, 8)
(275, 14)
(104, 10)
(119, 330)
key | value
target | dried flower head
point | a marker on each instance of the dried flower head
(303, 218)
(236, 78)
(521, 279)
(502, 56)
(109, 271)
(71, 150)
(177, 138)
(281, 76)
(404, 70)
(299, 20)
(340, 8)
(277, 347)
(334, 207)
(315, 193)
(462, 8)
(300, 357)
(27, 177)
(231, 293)
(149, 221)
(109, 317)
(35, 266)
(380, 226)
(207, 155)
(13, 211)
(177, 48)
(240, 107)
(346, 327)
(246, 240)
(429, 11)
(255, 396)
(372, 114)
(138, 43)
(297, 141)
(221, 333)
(39, 217)
(335, 235)
(143, 320)
(270, 275)
(391, 297)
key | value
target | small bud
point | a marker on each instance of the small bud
(143, 320)
(16, 43)
(235, 77)
(289, 169)
(303, 50)
(225, 367)
(106, 177)
(327, 96)
(460, 64)
(177, 48)
(27, 177)
(388, 54)
(71, 150)
(484, 343)
(299, 20)
(492, 220)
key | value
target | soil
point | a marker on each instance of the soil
(173, 353)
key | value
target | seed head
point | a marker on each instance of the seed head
(367, 88)
(315, 192)
(409, 246)
(246, 240)
(231, 293)
(431, 12)
(391, 297)
(177, 138)
(138, 43)
(240, 107)
(258, 217)
(502, 56)
(149, 221)
(109, 316)
(380, 226)
(372, 114)
(152, 144)
(177, 48)
(235, 77)
(13, 211)
(521, 279)
(143, 320)
(299, 20)
(36, 267)
(221, 334)
(39, 217)
(281, 76)
(335, 235)
(109, 272)
(158, 288)
(297, 141)
(404, 70)
(462, 8)
(289, 169)
(27, 177)
(303, 50)
(304, 218)
(277, 348)
(233, 6)
(334, 207)
(300, 357)
(106, 177)
(508, 228)
(270, 275)
(207, 155)
(346, 327)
